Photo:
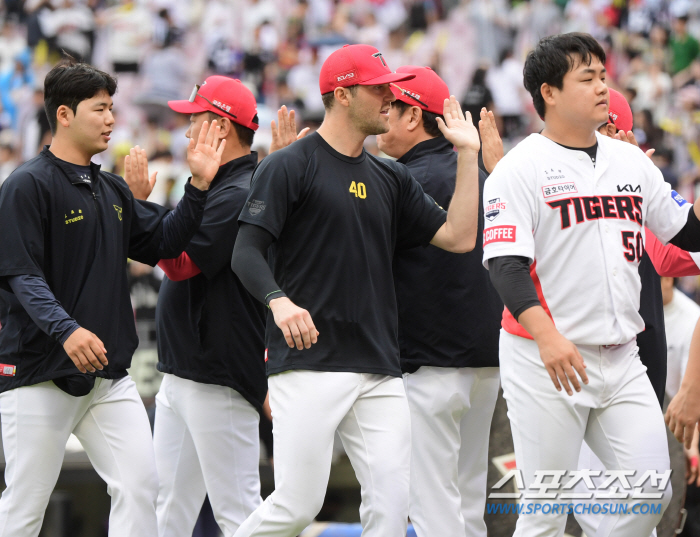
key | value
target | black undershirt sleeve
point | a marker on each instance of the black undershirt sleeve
(510, 275)
(688, 238)
(249, 262)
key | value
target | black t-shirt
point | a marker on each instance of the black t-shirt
(210, 329)
(449, 312)
(337, 221)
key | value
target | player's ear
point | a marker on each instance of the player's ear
(547, 92)
(64, 115)
(342, 95)
(414, 118)
(225, 126)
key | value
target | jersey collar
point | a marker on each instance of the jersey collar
(440, 144)
(69, 172)
(236, 168)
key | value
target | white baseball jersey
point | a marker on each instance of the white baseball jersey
(580, 226)
(680, 318)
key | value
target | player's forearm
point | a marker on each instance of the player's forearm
(538, 324)
(250, 264)
(41, 305)
(180, 225)
(463, 213)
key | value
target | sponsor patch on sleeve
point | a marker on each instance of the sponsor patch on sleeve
(493, 208)
(558, 189)
(680, 200)
(499, 234)
(7, 370)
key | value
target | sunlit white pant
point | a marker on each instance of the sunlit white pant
(589, 521)
(617, 414)
(206, 442)
(451, 412)
(371, 415)
(111, 424)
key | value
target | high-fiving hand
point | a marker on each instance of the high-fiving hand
(136, 173)
(204, 156)
(284, 132)
(491, 143)
(460, 131)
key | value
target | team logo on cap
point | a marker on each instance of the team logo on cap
(381, 58)
(494, 208)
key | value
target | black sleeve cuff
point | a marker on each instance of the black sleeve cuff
(510, 276)
(688, 238)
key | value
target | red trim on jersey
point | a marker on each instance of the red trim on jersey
(179, 269)
(509, 323)
(669, 260)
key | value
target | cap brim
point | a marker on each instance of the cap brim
(186, 107)
(388, 78)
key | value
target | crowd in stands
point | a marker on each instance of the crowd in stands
(160, 48)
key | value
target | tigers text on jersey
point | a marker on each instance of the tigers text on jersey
(581, 227)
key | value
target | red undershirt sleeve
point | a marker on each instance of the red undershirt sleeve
(669, 260)
(180, 268)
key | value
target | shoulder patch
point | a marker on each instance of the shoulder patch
(680, 200)
(493, 208)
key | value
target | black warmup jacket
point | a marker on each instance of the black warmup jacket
(449, 312)
(77, 235)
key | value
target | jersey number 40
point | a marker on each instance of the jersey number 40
(358, 189)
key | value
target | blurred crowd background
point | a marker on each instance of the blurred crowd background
(160, 48)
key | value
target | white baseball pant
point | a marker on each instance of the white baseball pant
(451, 412)
(371, 416)
(617, 414)
(589, 521)
(111, 424)
(206, 442)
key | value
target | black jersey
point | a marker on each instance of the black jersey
(210, 329)
(449, 312)
(337, 221)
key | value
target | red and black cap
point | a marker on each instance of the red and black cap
(357, 64)
(226, 97)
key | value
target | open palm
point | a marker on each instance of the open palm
(204, 156)
(460, 131)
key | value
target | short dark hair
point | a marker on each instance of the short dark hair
(329, 98)
(555, 56)
(71, 82)
(430, 124)
(245, 135)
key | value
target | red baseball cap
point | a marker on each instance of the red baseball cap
(225, 97)
(356, 64)
(619, 111)
(427, 90)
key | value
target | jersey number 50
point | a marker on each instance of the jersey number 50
(634, 247)
(359, 190)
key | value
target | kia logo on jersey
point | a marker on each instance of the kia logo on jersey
(629, 188)
(494, 208)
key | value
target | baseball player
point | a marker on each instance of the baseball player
(210, 338)
(449, 320)
(563, 253)
(68, 329)
(332, 216)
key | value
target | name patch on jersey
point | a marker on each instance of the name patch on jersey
(558, 189)
(7, 370)
(493, 208)
(499, 234)
(680, 200)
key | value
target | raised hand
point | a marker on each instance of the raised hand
(630, 138)
(491, 143)
(460, 131)
(204, 156)
(136, 173)
(284, 132)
